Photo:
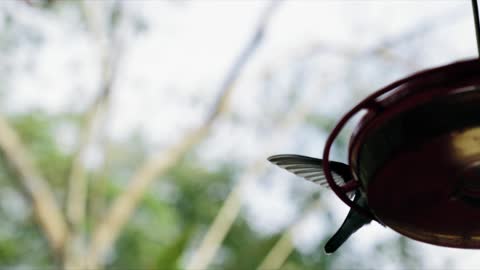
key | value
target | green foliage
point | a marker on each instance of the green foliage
(163, 226)
(200, 189)
(38, 131)
(20, 237)
(315, 260)
(21, 241)
(246, 249)
(171, 218)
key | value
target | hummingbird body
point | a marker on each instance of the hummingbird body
(350, 225)
(312, 170)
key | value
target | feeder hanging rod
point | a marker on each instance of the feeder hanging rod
(477, 23)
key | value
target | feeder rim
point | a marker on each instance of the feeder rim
(370, 102)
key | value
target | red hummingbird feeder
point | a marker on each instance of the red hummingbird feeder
(414, 156)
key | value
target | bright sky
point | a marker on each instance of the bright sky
(171, 72)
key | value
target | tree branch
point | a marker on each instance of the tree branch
(94, 116)
(78, 183)
(34, 186)
(279, 252)
(122, 208)
(282, 249)
(223, 222)
(76, 199)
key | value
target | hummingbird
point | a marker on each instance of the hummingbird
(311, 169)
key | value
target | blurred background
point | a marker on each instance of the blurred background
(134, 134)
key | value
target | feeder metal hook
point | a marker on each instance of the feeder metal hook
(477, 23)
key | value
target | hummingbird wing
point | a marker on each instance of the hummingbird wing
(352, 223)
(312, 168)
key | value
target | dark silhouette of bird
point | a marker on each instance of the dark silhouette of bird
(312, 170)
